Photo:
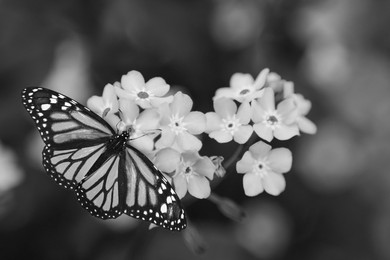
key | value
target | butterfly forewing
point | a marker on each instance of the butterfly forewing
(74, 135)
(62, 121)
(109, 176)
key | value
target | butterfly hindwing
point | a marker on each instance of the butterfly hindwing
(100, 192)
(69, 167)
(149, 195)
(130, 184)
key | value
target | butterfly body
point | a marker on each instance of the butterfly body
(109, 176)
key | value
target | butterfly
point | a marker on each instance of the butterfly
(110, 177)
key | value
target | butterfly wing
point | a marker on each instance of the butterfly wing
(73, 134)
(62, 121)
(107, 182)
(149, 196)
(101, 192)
(129, 183)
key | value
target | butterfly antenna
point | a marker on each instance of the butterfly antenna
(148, 132)
(120, 113)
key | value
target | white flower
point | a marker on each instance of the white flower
(302, 108)
(270, 122)
(243, 87)
(264, 168)
(146, 95)
(228, 123)
(179, 124)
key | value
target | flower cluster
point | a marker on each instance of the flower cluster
(165, 128)
(162, 126)
(268, 107)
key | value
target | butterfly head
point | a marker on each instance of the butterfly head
(122, 127)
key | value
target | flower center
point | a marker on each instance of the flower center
(244, 92)
(261, 167)
(136, 131)
(143, 95)
(176, 124)
(188, 170)
(230, 124)
(272, 120)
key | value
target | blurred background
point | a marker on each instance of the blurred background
(337, 201)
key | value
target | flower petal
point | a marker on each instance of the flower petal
(125, 94)
(252, 184)
(257, 94)
(167, 138)
(113, 120)
(188, 142)
(181, 104)
(143, 103)
(190, 157)
(165, 114)
(244, 113)
(180, 183)
(130, 111)
(225, 107)
(245, 164)
(303, 104)
(157, 86)
(243, 134)
(224, 93)
(199, 186)
(288, 89)
(263, 131)
(286, 107)
(110, 99)
(274, 183)
(258, 112)
(267, 101)
(148, 120)
(213, 122)
(260, 150)
(280, 160)
(167, 159)
(96, 104)
(133, 81)
(306, 126)
(144, 144)
(285, 132)
(195, 122)
(221, 136)
(239, 80)
(205, 167)
(158, 101)
(261, 79)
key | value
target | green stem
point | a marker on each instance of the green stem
(229, 162)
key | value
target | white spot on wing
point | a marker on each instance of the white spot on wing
(163, 208)
(45, 107)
